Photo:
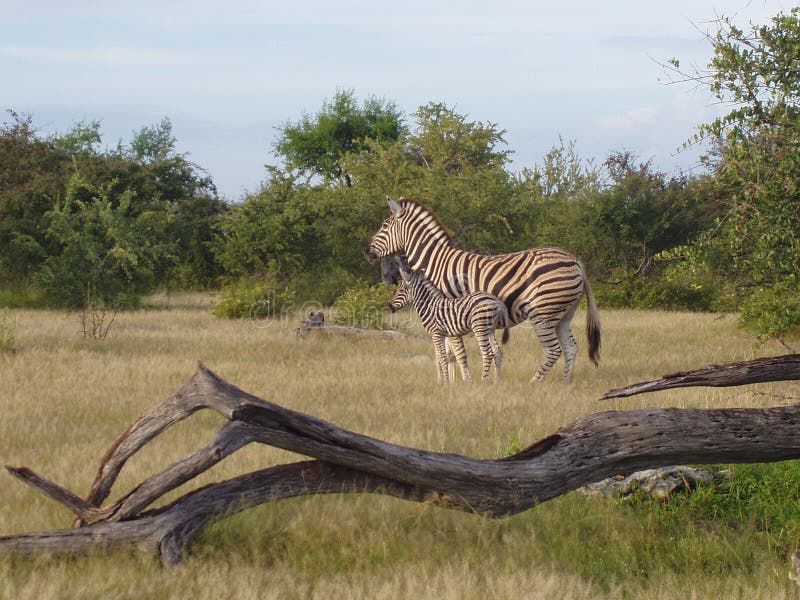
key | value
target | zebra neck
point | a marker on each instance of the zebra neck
(427, 301)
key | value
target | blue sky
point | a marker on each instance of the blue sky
(229, 73)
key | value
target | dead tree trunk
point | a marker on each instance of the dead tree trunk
(587, 451)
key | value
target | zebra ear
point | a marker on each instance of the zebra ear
(396, 209)
(405, 274)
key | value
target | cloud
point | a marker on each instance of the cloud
(632, 121)
(103, 56)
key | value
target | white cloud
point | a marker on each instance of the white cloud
(103, 56)
(632, 121)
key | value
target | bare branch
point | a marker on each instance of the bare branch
(589, 450)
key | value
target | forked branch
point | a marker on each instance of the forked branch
(589, 450)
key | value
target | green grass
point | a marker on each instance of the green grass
(64, 401)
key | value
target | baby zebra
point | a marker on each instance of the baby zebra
(448, 319)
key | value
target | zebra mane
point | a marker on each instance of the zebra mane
(420, 209)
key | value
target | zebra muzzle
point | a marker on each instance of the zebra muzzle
(370, 254)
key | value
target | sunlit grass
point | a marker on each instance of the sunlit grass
(64, 401)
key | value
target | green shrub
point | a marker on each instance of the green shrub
(21, 296)
(772, 312)
(676, 287)
(363, 307)
(248, 298)
(322, 285)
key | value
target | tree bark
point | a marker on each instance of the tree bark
(586, 451)
(389, 334)
(760, 370)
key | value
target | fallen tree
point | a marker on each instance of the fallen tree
(595, 447)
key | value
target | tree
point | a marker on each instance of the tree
(755, 160)
(447, 141)
(315, 144)
(154, 143)
(29, 179)
(105, 255)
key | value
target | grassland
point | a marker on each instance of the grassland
(64, 400)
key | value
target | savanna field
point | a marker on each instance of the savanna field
(65, 400)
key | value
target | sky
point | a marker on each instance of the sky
(230, 74)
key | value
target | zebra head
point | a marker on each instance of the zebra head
(400, 298)
(402, 295)
(388, 239)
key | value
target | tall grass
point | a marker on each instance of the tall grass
(8, 326)
(63, 402)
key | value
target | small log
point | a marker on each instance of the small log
(591, 449)
(389, 334)
(759, 370)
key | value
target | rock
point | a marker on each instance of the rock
(659, 484)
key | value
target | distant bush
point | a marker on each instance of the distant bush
(675, 288)
(248, 298)
(322, 285)
(772, 312)
(21, 296)
(364, 307)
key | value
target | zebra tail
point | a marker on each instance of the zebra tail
(592, 324)
(506, 335)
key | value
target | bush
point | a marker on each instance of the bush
(771, 312)
(322, 285)
(364, 307)
(677, 287)
(21, 296)
(248, 298)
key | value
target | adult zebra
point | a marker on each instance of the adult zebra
(540, 285)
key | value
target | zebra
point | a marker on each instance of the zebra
(448, 319)
(540, 285)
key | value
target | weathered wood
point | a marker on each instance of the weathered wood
(760, 370)
(589, 450)
(389, 334)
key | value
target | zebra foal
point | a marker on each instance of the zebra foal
(448, 319)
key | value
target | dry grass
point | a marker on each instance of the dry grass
(65, 400)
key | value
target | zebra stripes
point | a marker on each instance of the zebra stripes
(446, 320)
(542, 285)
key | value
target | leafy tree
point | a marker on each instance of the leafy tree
(160, 179)
(755, 161)
(106, 256)
(31, 175)
(445, 140)
(315, 144)
(643, 212)
(153, 144)
(453, 165)
(36, 174)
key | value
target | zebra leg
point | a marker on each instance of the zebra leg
(451, 361)
(567, 341)
(457, 346)
(546, 332)
(440, 358)
(498, 358)
(487, 344)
